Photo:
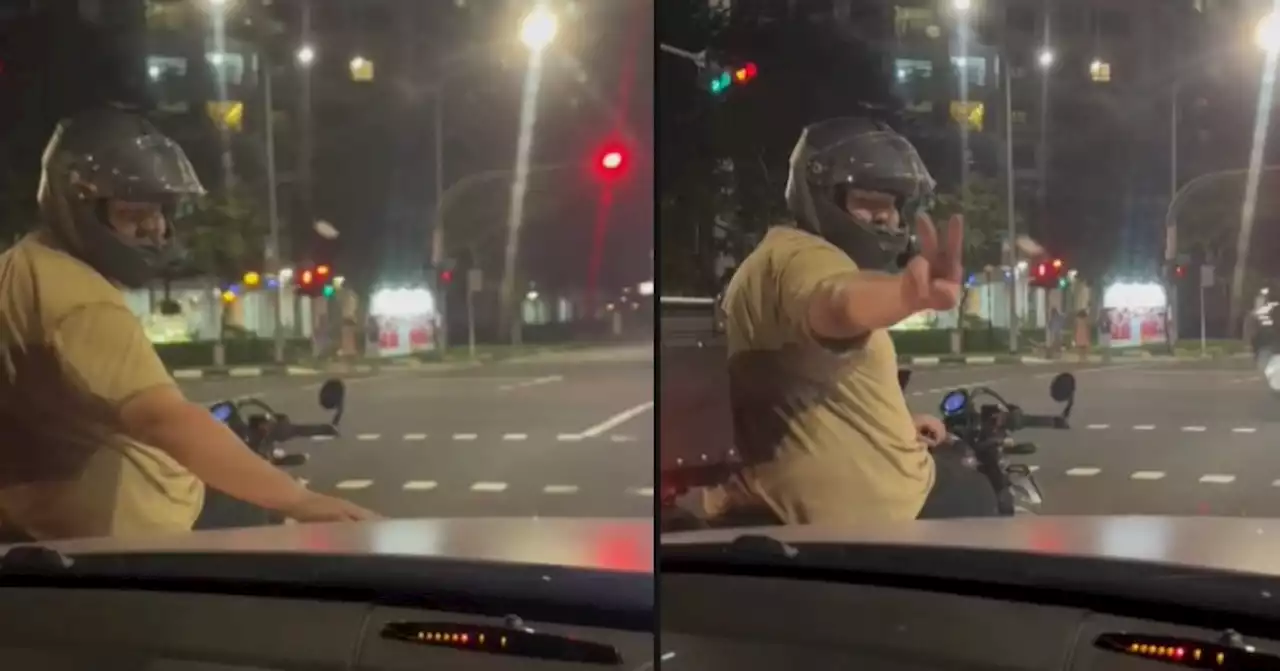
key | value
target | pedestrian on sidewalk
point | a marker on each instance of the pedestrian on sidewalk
(1053, 332)
(1084, 334)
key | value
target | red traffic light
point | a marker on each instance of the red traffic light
(322, 270)
(1041, 270)
(446, 276)
(307, 277)
(612, 160)
(1057, 263)
(745, 73)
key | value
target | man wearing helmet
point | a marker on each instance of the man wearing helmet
(98, 440)
(820, 421)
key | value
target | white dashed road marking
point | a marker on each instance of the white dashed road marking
(1144, 427)
(489, 487)
(624, 416)
(420, 485)
(1147, 475)
(354, 484)
(1218, 479)
(468, 437)
(560, 489)
(1084, 472)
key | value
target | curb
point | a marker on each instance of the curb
(237, 372)
(339, 367)
(993, 359)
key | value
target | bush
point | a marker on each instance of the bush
(240, 352)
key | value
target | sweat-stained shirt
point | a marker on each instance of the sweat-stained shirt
(71, 354)
(822, 427)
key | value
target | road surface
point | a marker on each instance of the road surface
(1176, 438)
(1155, 437)
(557, 436)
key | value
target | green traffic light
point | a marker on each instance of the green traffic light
(328, 291)
(1062, 283)
(720, 83)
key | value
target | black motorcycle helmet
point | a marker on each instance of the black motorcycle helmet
(112, 154)
(836, 155)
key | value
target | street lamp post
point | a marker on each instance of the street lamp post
(1267, 39)
(537, 31)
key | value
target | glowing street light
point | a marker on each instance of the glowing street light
(538, 29)
(1267, 35)
(306, 54)
(1045, 58)
(962, 6)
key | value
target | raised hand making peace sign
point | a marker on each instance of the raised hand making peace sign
(932, 279)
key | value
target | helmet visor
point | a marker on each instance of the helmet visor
(147, 168)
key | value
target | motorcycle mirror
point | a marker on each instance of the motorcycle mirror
(1063, 387)
(954, 403)
(332, 394)
(904, 378)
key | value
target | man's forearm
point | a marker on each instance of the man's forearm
(857, 304)
(218, 457)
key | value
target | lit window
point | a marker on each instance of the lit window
(1100, 71)
(968, 113)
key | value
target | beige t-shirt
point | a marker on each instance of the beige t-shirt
(71, 353)
(823, 427)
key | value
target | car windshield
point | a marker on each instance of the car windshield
(1116, 184)
(445, 205)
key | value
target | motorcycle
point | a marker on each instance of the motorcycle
(263, 432)
(982, 431)
(985, 431)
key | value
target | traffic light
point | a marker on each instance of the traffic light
(1049, 274)
(720, 78)
(719, 82)
(611, 161)
(745, 73)
(318, 281)
(446, 276)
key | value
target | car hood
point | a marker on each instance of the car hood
(1241, 545)
(592, 544)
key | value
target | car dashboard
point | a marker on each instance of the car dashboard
(103, 629)
(743, 623)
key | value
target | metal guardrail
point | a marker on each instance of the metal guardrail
(687, 321)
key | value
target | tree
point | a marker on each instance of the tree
(224, 233)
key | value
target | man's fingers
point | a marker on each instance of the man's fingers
(917, 271)
(927, 237)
